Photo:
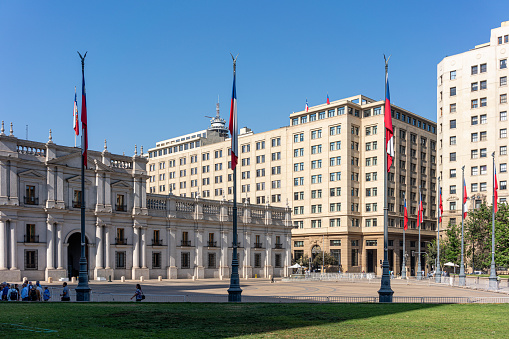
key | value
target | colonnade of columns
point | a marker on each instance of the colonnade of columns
(8, 230)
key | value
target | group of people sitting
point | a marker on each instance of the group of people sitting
(28, 292)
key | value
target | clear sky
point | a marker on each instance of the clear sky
(154, 69)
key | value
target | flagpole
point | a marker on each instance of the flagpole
(385, 292)
(83, 289)
(419, 223)
(438, 273)
(493, 272)
(462, 276)
(403, 266)
(234, 292)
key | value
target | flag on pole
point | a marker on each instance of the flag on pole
(307, 106)
(234, 126)
(389, 132)
(328, 101)
(84, 135)
(496, 193)
(419, 211)
(405, 219)
(440, 207)
(76, 124)
(465, 208)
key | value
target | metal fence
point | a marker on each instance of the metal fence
(332, 277)
(223, 298)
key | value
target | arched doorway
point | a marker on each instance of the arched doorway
(74, 254)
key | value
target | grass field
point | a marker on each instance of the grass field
(186, 320)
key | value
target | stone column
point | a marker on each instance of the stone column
(224, 271)
(107, 240)
(199, 270)
(3, 244)
(136, 247)
(99, 247)
(172, 249)
(49, 246)
(269, 268)
(59, 192)
(247, 268)
(60, 247)
(144, 247)
(14, 246)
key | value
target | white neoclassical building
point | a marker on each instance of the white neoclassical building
(128, 232)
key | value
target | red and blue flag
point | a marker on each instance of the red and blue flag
(233, 127)
(389, 132)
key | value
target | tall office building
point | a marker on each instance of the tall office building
(327, 165)
(472, 123)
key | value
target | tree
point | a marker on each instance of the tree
(478, 236)
(451, 247)
(502, 236)
(329, 259)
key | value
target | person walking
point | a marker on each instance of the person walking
(24, 292)
(138, 294)
(13, 294)
(66, 296)
(38, 287)
(46, 295)
(5, 291)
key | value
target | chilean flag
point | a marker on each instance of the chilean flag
(76, 124)
(389, 132)
(465, 208)
(405, 218)
(307, 107)
(419, 212)
(234, 126)
(328, 101)
(496, 192)
(440, 207)
(84, 135)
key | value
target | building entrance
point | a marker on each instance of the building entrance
(371, 261)
(74, 254)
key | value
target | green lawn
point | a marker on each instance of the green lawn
(197, 320)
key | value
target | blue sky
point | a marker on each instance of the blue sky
(155, 68)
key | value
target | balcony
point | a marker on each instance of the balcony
(258, 245)
(238, 244)
(31, 238)
(121, 208)
(76, 204)
(278, 246)
(31, 201)
(120, 241)
(185, 243)
(157, 242)
(212, 243)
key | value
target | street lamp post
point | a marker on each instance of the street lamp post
(385, 292)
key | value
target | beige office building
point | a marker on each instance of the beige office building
(327, 166)
(472, 122)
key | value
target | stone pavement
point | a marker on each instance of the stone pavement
(263, 287)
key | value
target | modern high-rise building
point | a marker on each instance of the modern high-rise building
(327, 165)
(472, 123)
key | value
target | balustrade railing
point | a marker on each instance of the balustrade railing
(120, 241)
(31, 200)
(121, 164)
(31, 238)
(32, 150)
(211, 209)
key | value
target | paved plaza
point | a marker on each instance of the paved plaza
(264, 287)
